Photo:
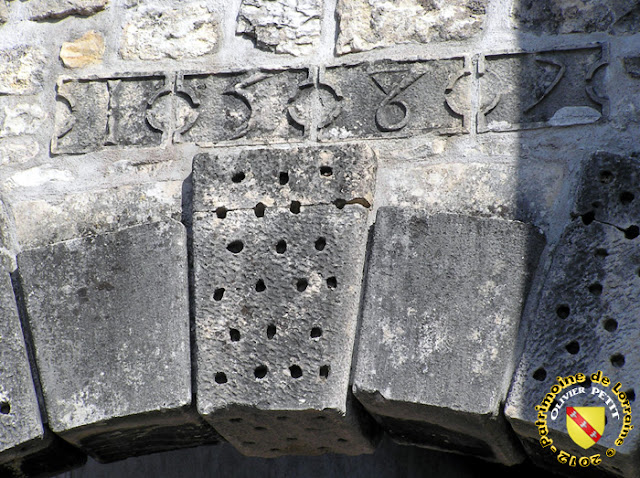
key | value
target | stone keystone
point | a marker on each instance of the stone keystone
(279, 246)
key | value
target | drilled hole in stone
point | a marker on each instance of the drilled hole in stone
(248, 443)
(610, 325)
(573, 347)
(332, 282)
(595, 288)
(274, 449)
(259, 209)
(588, 218)
(235, 420)
(340, 203)
(321, 242)
(563, 311)
(626, 197)
(320, 417)
(284, 178)
(234, 335)
(324, 371)
(260, 286)
(5, 408)
(218, 294)
(282, 418)
(540, 374)
(316, 332)
(260, 371)
(617, 360)
(281, 246)
(631, 394)
(342, 440)
(238, 177)
(602, 252)
(295, 207)
(292, 439)
(235, 246)
(271, 331)
(296, 372)
(259, 429)
(323, 448)
(221, 377)
(221, 212)
(632, 232)
(326, 170)
(606, 177)
(301, 285)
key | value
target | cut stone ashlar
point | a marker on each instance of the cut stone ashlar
(109, 316)
(27, 447)
(438, 340)
(585, 319)
(276, 305)
(282, 177)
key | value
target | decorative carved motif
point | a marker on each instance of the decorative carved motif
(537, 90)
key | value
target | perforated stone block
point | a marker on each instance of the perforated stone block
(109, 317)
(438, 340)
(276, 177)
(585, 320)
(276, 301)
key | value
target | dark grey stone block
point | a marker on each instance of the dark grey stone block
(585, 320)
(276, 301)
(438, 340)
(246, 106)
(109, 317)
(397, 99)
(563, 16)
(542, 89)
(279, 176)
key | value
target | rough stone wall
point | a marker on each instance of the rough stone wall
(481, 110)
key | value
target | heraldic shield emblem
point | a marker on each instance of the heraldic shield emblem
(585, 425)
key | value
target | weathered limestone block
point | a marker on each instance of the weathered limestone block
(577, 16)
(438, 340)
(58, 9)
(584, 321)
(276, 302)
(21, 119)
(255, 105)
(4, 12)
(109, 317)
(18, 150)
(390, 99)
(307, 175)
(93, 114)
(55, 219)
(26, 445)
(536, 90)
(155, 33)
(21, 70)
(84, 51)
(282, 26)
(365, 24)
